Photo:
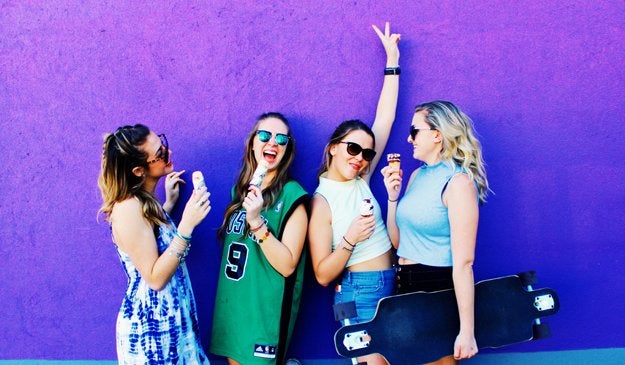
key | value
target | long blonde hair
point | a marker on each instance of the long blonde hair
(120, 155)
(460, 144)
(273, 191)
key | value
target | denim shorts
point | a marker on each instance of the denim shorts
(366, 288)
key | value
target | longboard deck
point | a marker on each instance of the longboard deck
(422, 327)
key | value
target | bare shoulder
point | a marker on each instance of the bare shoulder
(461, 181)
(461, 185)
(319, 203)
(299, 216)
(130, 228)
(320, 209)
(129, 207)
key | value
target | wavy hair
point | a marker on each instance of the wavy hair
(249, 163)
(337, 136)
(460, 144)
(120, 155)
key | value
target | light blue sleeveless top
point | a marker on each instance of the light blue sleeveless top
(424, 234)
(344, 198)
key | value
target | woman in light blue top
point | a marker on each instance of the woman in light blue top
(434, 225)
(345, 245)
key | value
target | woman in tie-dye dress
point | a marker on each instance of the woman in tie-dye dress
(157, 323)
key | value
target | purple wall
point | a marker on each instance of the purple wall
(544, 82)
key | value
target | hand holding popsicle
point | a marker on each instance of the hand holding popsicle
(394, 161)
(392, 176)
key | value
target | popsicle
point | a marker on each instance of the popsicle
(259, 173)
(198, 180)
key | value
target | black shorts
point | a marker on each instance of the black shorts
(418, 277)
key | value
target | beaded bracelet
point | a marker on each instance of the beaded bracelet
(180, 245)
(253, 230)
(183, 237)
(179, 255)
(264, 237)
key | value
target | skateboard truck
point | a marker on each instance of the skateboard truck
(356, 340)
(544, 302)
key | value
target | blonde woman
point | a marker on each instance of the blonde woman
(157, 322)
(434, 225)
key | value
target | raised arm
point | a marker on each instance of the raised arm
(387, 104)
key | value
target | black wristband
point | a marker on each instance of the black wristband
(392, 70)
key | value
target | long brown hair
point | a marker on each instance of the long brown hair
(120, 155)
(249, 163)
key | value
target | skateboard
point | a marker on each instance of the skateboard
(422, 327)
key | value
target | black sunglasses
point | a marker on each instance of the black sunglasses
(163, 151)
(354, 149)
(414, 131)
(265, 136)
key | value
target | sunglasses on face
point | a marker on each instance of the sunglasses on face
(354, 149)
(265, 136)
(414, 131)
(163, 151)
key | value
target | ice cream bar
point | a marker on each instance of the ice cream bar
(394, 159)
(198, 180)
(366, 207)
(259, 173)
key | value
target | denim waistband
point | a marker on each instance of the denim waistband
(382, 274)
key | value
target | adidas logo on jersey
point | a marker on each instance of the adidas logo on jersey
(266, 351)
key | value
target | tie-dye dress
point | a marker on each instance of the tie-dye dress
(158, 327)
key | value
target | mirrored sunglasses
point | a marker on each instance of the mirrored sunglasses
(265, 136)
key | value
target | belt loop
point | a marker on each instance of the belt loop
(347, 276)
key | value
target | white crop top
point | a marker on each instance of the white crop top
(344, 199)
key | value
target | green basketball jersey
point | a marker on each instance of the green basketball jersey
(256, 307)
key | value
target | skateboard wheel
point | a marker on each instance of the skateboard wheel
(528, 278)
(541, 331)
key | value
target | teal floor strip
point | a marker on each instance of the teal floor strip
(614, 356)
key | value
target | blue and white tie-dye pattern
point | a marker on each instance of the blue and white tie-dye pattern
(158, 327)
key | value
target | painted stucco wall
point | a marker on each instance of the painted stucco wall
(543, 81)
